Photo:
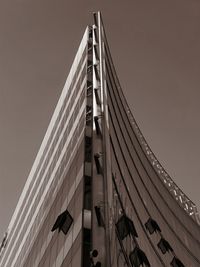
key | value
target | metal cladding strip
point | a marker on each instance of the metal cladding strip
(189, 207)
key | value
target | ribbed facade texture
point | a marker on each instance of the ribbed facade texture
(96, 194)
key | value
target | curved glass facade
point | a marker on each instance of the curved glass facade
(96, 194)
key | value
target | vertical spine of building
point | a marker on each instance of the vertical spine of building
(87, 179)
(100, 203)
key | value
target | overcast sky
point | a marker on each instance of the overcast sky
(156, 50)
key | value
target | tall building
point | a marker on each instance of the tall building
(96, 194)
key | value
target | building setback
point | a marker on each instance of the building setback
(96, 194)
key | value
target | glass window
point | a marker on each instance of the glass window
(88, 193)
(86, 247)
(88, 149)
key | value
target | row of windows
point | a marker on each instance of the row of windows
(116, 131)
(56, 125)
(125, 164)
(53, 190)
(58, 190)
(151, 191)
(156, 178)
(46, 242)
(75, 84)
(127, 243)
(51, 167)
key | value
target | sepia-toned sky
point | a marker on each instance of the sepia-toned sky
(156, 50)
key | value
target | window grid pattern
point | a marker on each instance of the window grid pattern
(42, 164)
(52, 192)
(49, 170)
(70, 189)
(65, 120)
